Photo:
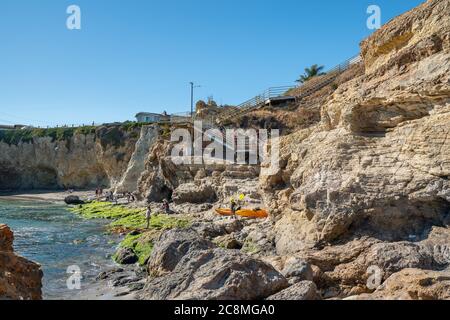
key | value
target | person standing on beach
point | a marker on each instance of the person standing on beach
(148, 215)
(166, 206)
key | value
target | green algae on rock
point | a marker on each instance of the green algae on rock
(131, 219)
(141, 244)
(128, 218)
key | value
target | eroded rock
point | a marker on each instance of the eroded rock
(378, 163)
(194, 193)
(20, 279)
(412, 284)
(126, 256)
(303, 290)
(216, 274)
(171, 247)
(297, 268)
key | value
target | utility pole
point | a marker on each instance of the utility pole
(192, 97)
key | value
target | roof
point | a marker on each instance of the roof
(11, 127)
(148, 114)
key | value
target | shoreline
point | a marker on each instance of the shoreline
(93, 289)
(45, 195)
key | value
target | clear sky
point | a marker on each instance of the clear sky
(140, 55)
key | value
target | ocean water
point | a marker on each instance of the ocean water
(56, 239)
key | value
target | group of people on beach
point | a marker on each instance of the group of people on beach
(130, 197)
(98, 193)
(110, 196)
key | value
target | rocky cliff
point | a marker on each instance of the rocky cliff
(378, 163)
(369, 184)
(360, 208)
(82, 160)
(364, 185)
(20, 279)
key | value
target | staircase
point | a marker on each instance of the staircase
(266, 98)
(275, 94)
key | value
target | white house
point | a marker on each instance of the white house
(149, 117)
(12, 127)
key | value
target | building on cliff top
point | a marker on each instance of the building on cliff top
(11, 127)
(149, 117)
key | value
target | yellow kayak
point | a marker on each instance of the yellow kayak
(246, 213)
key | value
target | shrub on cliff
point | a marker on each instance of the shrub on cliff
(14, 137)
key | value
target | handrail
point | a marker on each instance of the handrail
(306, 89)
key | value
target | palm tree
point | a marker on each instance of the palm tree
(311, 72)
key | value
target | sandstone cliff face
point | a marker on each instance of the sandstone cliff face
(82, 161)
(136, 165)
(378, 164)
(20, 279)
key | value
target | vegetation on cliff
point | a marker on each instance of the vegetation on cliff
(112, 134)
(14, 137)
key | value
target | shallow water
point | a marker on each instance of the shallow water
(55, 238)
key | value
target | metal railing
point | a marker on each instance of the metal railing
(304, 90)
(181, 117)
(258, 101)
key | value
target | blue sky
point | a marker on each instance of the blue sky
(140, 55)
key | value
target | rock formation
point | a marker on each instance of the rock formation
(20, 279)
(363, 184)
(129, 180)
(379, 161)
(369, 185)
(81, 161)
(194, 183)
(199, 271)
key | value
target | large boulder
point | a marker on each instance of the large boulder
(20, 278)
(126, 256)
(73, 200)
(303, 290)
(216, 274)
(297, 268)
(194, 193)
(171, 247)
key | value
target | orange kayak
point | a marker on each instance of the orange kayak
(246, 213)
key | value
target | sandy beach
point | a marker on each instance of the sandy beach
(46, 195)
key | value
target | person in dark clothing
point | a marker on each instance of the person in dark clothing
(166, 206)
(234, 207)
